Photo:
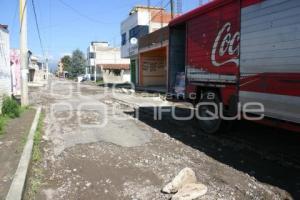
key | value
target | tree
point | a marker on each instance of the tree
(66, 61)
(78, 63)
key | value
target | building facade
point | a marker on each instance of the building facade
(141, 21)
(105, 63)
(37, 71)
(153, 58)
(5, 70)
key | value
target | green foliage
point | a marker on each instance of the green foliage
(67, 62)
(3, 121)
(78, 63)
(36, 179)
(10, 108)
(37, 155)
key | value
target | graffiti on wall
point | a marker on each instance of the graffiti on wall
(16, 71)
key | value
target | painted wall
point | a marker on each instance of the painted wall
(153, 67)
(5, 70)
(15, 71)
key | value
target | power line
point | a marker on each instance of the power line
(37, 27)
(14, 18)
(82, 14)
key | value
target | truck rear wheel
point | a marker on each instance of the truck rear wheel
(210, 101)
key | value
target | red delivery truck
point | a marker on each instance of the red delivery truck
(236, 54)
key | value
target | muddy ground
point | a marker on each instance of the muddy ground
(133, 158)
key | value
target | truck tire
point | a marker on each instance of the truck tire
(213, 126)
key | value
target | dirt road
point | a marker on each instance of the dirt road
(95, 147)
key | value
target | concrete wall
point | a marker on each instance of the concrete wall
(135, 19)
(154, 18)
(105, 55)
(109, 76)
(5, 71)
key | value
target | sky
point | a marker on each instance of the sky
(66, 25)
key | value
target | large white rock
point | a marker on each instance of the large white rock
(185, 176)
(190, 192)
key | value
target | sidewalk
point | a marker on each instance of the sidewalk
(136, 101)
(11, 148)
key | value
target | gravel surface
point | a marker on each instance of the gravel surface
(133, 158)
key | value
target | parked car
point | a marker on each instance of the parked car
(81, 78)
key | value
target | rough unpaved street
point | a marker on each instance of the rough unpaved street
(133, 158)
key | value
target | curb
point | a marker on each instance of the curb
(17, 186)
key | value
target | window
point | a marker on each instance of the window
(138, 31)
(123, 39)
(92, 55)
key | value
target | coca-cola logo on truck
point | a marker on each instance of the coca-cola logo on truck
(226, 48)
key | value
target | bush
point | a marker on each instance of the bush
(10, 108)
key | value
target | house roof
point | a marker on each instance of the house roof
(199, 11)
(114, 66)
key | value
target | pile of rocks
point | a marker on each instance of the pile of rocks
(185, 186)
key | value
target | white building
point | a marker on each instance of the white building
(141, 21)
(37, 71)
(107, 61)
(5, 71)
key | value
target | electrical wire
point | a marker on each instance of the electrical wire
(82, 14)
(14, 19)
(37, 27)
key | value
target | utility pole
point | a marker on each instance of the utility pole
(172, 8)
(24, 52)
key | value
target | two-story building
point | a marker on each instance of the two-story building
(105, 63)
(37, 71)
(141, 21)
